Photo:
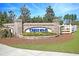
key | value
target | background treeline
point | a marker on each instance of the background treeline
(6, 17)
(25, 15)
(70, 18)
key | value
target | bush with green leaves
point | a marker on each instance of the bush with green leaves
(4, 33)
(38, 33)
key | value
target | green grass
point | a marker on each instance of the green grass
(38, 34)
(72, 46)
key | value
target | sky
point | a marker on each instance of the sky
(39, 9)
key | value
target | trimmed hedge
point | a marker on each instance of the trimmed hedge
(38, 34)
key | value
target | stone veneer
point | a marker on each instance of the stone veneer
(16, 27)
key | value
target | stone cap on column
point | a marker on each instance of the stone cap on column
(18, 20)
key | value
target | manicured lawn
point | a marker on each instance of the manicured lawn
(71, 46)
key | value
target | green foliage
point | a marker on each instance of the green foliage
(4, 33)
(1, 19)
(75, 23)
(49, 14)
(25, 14)
(70, 18)
(61, 22)
(37, 19)
(11, 16)
(38, 34)
(6, 18)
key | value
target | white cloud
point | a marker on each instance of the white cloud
(35, 6)
(28, 7)
(63, 8)
(10, 7)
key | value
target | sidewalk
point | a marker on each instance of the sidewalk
(10, 51)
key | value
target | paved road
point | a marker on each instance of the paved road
(10, 51)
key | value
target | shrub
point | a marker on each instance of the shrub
(5, 33)
(38, 34)
(9, 33)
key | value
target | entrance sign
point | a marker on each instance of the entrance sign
(18, 27)
(38, 29)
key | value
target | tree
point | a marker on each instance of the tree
(25, 14)
(74, 17)
(11, 16)
(70, 18)
(59, 20)
(6, 18)
(45, 19)
(37, 19)
(49, 14)
(67, 19)
(0, 19)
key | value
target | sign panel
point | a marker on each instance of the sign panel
(38, 29)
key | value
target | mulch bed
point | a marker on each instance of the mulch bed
(60, 39)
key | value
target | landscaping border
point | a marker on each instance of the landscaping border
(36, 37)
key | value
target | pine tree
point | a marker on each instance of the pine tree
(25, 14)
(49, 14)
(11, 16)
